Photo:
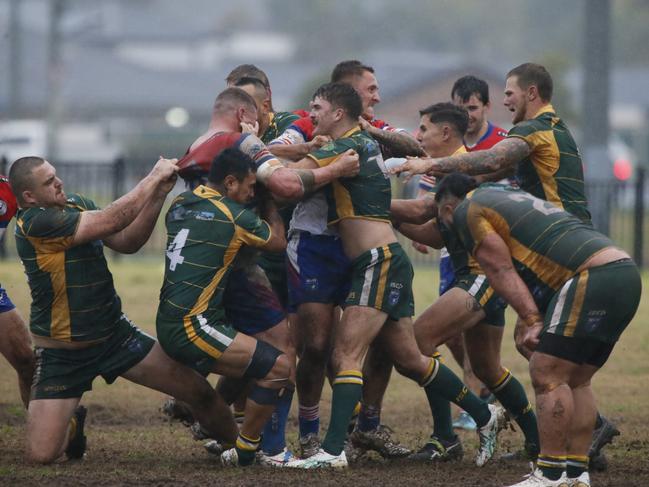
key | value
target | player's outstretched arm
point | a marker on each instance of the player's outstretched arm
(413, 211)
(304, 177)
(504, 154)
(101, 224)
(400, 144)
(427, 234)
(298, 150)
(137, 233)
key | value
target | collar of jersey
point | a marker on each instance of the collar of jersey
(204, 191)
(544, 109)
(351, 131)
(271, 119)
(460, 150)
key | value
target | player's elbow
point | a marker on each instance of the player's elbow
(425, 210)
(277, 243)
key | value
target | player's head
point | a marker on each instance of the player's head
(233, 173)
(362, 78)
(473, 94)
(249, 71)
(235, 106)
(246, 71)
(451, 191)
(258, 91)
(527, 88)
(441, 129)
(34, 182)
(334, 105)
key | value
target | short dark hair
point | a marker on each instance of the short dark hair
(19, 175)
(456, 184)
(470, 85)
(230, 162)
(348, 69)
(247, 71)
(341, 95)
(259, 87)
(529, 74)
(248, 80)
(449, 113)
(231, 98)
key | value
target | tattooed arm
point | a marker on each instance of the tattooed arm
(399, 143)
(504, 154)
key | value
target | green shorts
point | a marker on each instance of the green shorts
(62, 374)
(381, 278)
(194, 341)
(597, 303)
(478, 287)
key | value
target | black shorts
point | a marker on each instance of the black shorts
(577, 350)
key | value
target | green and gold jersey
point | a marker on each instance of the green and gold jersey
(553, 171)
(279, 122)
(73, 297)
(547, 244)
(366, 195)
(205, 231)
(463, 262)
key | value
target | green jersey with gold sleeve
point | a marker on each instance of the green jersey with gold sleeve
(205, 231)
(463, 262)
(553, 171)
(73, 297)
(547, 244)
(366, 195)
(279, 122)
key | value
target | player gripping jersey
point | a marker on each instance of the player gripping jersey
(205, 233)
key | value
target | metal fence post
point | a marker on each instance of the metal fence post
(638, 220)
(3, 246)
(119, 176)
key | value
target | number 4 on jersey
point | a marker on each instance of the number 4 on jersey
(175, 247)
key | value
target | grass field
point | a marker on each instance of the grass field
(130, 443)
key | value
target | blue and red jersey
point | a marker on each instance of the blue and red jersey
(8, 204)
(197, 161)
(492, 136)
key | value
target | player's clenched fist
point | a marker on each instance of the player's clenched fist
(347, 164)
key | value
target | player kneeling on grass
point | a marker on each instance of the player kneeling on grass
(206, 228)
(76, 318)
(573, 288)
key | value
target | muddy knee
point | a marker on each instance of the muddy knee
(42, 454)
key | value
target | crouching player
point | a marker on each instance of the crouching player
(572, 287)
(206, 229)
